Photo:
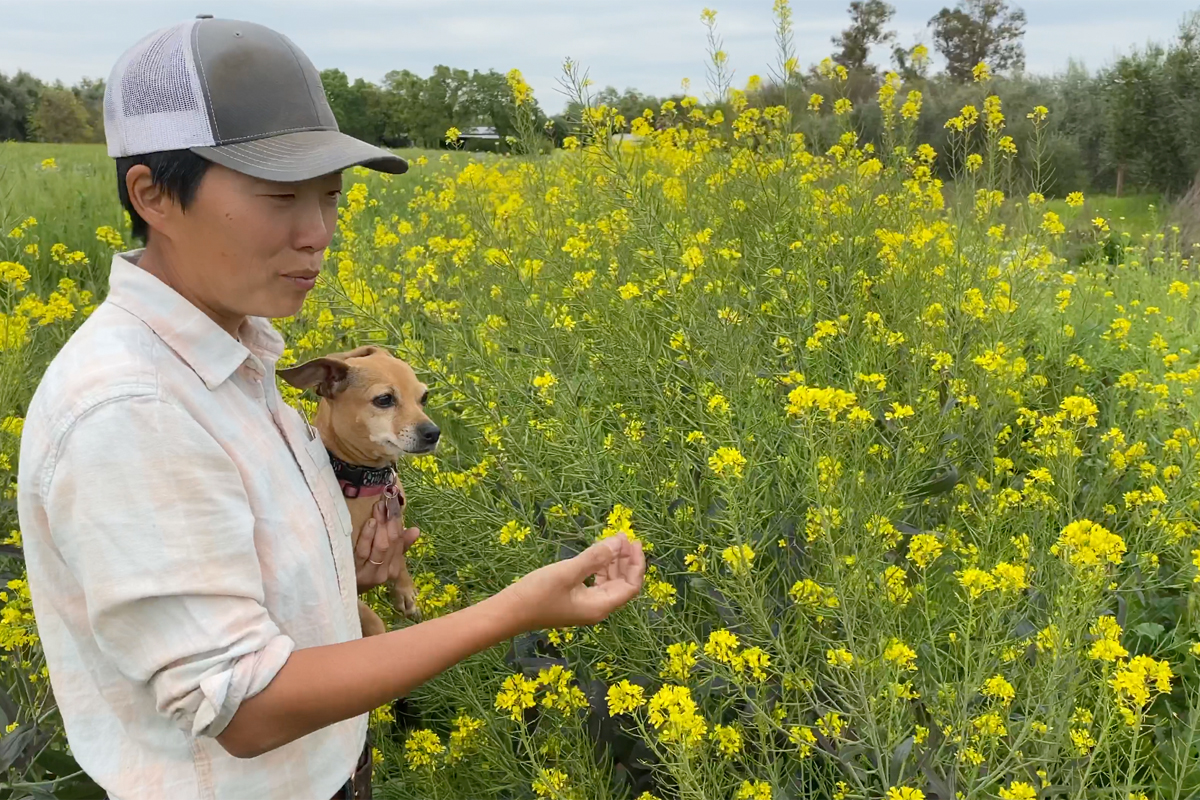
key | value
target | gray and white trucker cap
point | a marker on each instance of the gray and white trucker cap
(236, 93)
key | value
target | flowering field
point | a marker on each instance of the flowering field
(919, 493)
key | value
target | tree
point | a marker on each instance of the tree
(1183, 74)
(90, 92)
(441, 105)
(1080, 116)
(867, 21)
(59, 117)
(979, 30)
(1151, 98)
(18, 97)
(403, 90)
(357, 107)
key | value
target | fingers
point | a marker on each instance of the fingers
(366, 540)
(596, 558)
(379, 548)
(408, 536)
(621, 579)
(379, 514)
(635, 566)
(616, 593)
(377, 538)
(618, 567)
(621, 592)
(395, 532)
(594, 604)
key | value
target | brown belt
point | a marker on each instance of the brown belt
(358, 787)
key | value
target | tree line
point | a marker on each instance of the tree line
(1133, 125)
(405, 110)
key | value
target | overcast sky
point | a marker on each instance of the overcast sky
(649, 45)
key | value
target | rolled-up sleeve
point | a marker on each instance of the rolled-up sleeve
(152, 518)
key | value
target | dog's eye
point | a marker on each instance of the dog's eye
(384, 401)
(424, 397)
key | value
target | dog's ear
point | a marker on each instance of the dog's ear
(358, 352)
(326, 376)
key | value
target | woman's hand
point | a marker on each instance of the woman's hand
(555, 596)
(381, 540)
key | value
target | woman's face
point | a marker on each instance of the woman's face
(246, 246)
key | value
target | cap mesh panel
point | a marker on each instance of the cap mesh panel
(153, 100)
(156, 79)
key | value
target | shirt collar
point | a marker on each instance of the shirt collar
(203, 345)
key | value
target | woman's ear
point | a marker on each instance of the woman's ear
(151, 202)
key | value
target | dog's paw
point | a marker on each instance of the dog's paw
(405, 598)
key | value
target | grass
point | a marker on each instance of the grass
(1132, 214)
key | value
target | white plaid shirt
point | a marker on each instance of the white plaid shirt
(183, 533)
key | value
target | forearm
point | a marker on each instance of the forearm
(319, 686)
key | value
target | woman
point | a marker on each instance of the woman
(187, 546)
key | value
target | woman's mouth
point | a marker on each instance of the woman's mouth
(303, 280)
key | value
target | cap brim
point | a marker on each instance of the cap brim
(301, 155)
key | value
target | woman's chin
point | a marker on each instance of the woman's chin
(279, 307)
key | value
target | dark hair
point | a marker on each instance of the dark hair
(176, 172)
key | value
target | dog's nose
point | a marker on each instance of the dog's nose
(429, 434)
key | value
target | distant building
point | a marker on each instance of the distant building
(480, 138)
(480, 132)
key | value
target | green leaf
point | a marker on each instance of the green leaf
(899, 756)
(1151, 630)
(57, 762)
(12, 743)
(8, 709)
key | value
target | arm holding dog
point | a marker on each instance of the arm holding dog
(319, 686)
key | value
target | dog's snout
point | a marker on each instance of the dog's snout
(429, 434)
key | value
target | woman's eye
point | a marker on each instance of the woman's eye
(384, 401)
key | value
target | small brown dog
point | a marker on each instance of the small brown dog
(370, 412)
